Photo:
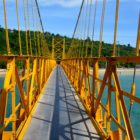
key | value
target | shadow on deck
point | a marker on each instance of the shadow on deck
(59, 114)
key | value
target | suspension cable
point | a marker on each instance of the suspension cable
(102, 27)
(77, 22)
(85, 25)
(116, 26)
(18, 23)
(81, 32)
(6, 28)
(94, 20)
(38, 42)
(25, 22)
(39, 15)
(33, 18)
(78, 18)
(28, 13)
(138, 39)
(42, 28)
(89, 24)
(133, 88)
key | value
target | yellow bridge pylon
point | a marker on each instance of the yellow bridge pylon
(58, 49)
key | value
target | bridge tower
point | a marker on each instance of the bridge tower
(58, 49)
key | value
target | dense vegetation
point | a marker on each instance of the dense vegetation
(123, 50)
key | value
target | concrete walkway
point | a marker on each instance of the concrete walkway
(59, 114)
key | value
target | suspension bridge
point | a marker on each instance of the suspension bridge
(57, 93)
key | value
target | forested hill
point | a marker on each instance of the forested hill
(123, 50)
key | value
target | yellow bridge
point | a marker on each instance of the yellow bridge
(58, 93)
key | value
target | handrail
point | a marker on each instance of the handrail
(30, 80)
(91, 92)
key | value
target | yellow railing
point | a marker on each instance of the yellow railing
(82, 68)
(26, 76)
(23, 84)
(27, 70)
(91, 89)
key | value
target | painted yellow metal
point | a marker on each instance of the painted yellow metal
(35, 78)
(32, 77)
(101, 112)
(115, 27)
(18, 23)
(93, 32)
(58, 49)
(89, 24)
(25, 23)
(138, 39)
(102, 27)
(29, 33)
(27, 122)
(33, 19)
(6, 28)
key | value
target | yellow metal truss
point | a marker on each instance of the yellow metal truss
(91, 92)
(30, 80)
(58, 49)
(31, 77)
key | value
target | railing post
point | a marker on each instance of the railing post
(13, 92)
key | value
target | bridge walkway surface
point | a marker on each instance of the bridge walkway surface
(59, 114)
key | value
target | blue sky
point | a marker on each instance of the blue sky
(59, 16)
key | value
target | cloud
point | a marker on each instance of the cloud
(63, 3)
(66, 3)
(74, 3)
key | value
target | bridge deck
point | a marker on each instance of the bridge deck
(59, 113)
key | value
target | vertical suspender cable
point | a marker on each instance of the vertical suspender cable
(33, 18)
(6, 28)
(81, 32)
(138, 39)
(39, 15)
(28, 13)
(89, 24)
(102, 27)
(18, 22)
(78, 19)
(40, 19)
(133, 88)
(25, 22)
(85, 26)
(94, 20)
(116, 26)
(38, 42)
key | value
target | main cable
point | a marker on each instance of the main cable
(78, 18)
(39, 15)
(77, 22)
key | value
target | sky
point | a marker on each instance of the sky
(59, 16)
